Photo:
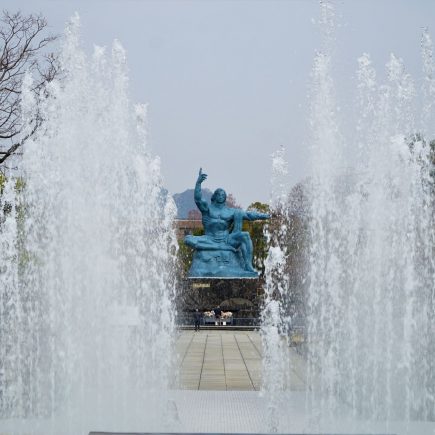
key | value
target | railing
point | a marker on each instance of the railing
(187, 320)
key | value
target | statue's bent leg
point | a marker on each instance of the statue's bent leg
(205, 243)
(243, 240)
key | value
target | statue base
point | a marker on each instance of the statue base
(219, 264)
(242, 296)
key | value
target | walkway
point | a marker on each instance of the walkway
(227, 360)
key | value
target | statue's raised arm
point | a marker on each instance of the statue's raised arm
(200, 203)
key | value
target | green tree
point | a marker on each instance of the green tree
(2, 182)
(185, 253)
(259, 240)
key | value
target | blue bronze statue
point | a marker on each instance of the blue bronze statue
(224, 251)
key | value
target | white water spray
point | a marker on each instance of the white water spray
(371, 296)
(274, 320)
(88, 295)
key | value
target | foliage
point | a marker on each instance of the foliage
(260, 207)
(259, 240)
(185, 253)
(19, 183)
(2, 182)
(17, 206)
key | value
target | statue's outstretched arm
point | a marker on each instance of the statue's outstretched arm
(254, 215)
(240, 215)
(200, 203)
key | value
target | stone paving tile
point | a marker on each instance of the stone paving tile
(227, 360)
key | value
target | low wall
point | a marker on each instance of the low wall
(243, 297)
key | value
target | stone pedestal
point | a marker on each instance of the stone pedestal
(242, 296)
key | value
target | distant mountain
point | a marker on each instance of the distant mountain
(185, 201)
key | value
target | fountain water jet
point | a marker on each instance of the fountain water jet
(87, 285)
(371, 297)
(273, 317)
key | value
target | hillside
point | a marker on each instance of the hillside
(185, 201)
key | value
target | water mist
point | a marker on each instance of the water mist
(371, 296)
(88, 249)
(275, 322)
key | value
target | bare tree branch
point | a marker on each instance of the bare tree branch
(12, 149)
(23, 45)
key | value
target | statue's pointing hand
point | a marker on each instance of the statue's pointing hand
(201, 176)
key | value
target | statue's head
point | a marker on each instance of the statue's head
(219, 196)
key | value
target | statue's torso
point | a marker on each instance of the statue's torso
(217, 222)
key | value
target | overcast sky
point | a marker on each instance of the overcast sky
(227, 81)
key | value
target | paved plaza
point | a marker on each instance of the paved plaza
(217, 391)
(228, 360)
